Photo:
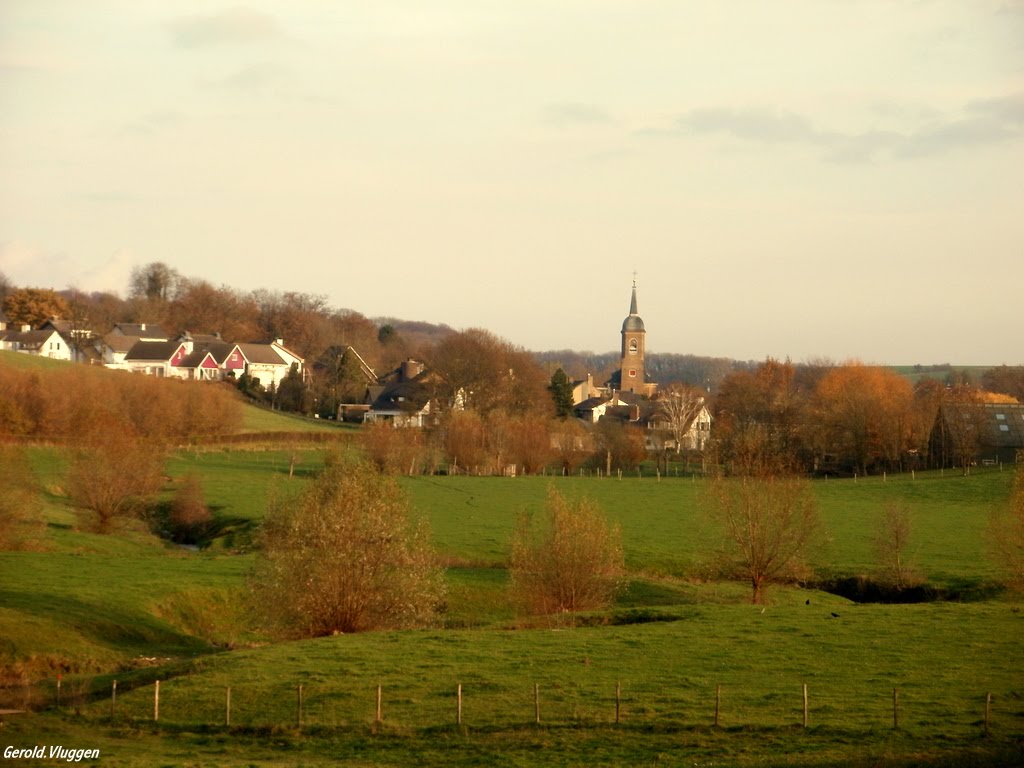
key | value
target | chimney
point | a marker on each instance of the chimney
(411, 369)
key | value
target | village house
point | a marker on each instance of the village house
(45, 343)
(196, 357)
(403, 397)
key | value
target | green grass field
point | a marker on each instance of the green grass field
(132, 608)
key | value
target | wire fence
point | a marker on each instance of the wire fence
(481, 705)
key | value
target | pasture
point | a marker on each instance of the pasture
(133, 608)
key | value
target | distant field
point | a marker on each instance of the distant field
(23, 361)
(917, 372)
(259, 419)
(132, 607)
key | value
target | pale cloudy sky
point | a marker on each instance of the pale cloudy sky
(840, 178)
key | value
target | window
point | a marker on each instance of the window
(1001, 416)
(1004, 427)
(633, 346)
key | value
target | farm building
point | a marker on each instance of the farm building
(971, 433)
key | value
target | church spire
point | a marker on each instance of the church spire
(632, 303)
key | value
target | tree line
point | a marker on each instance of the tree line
(817, 415)
(852, 417)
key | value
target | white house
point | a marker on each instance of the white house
(45, 343)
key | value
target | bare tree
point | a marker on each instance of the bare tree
(1006, 534)
(892, 546)
(768, 521)
(960, 428)
(155, 281)
(679, 406)
(115, 478)
(570, 561)
(344, 556)
(6, 286)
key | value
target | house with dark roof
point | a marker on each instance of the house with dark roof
(142, 331)
(202, 357)
(403, 397)
(77, 336)
(200, 365)
(113, 348)
(593, 409)
(45, 343)
(155, 358)
(266, 363)
(971, 433)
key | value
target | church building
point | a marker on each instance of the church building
(632, 376)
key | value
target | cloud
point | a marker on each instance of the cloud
(252, 78)
(27, 265)
(235, 25)
(111, 274)
(572, 112)
(1009, 109)
(752, 124)
(153, 122)
(979, 123)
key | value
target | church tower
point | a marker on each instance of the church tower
(631, 369)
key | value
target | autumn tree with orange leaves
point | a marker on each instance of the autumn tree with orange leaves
(866, 414)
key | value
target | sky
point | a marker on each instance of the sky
(810, 179)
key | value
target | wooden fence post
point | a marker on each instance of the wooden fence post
(895, 709)
(536, 702)
(298, 705)
(379, 715)
(618, 702)
(156, 701)
(458, 707)
(58, 690)
(718, 703)
(113, 699)
(805, 705)
(988, 711)
(227, 706)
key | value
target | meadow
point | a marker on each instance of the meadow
(132, 608)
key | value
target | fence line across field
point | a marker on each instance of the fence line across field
(549, 704)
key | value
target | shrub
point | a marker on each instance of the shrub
(20, 508)
(189, 516)
(115, 478)
(1006, 534)
(570, 561)
(892, 544)
(345, 557)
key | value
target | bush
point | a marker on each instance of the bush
(115, 478)
(345, 557)
(1006, 535)
(21, 521)
(189, 516)
(571, 561)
